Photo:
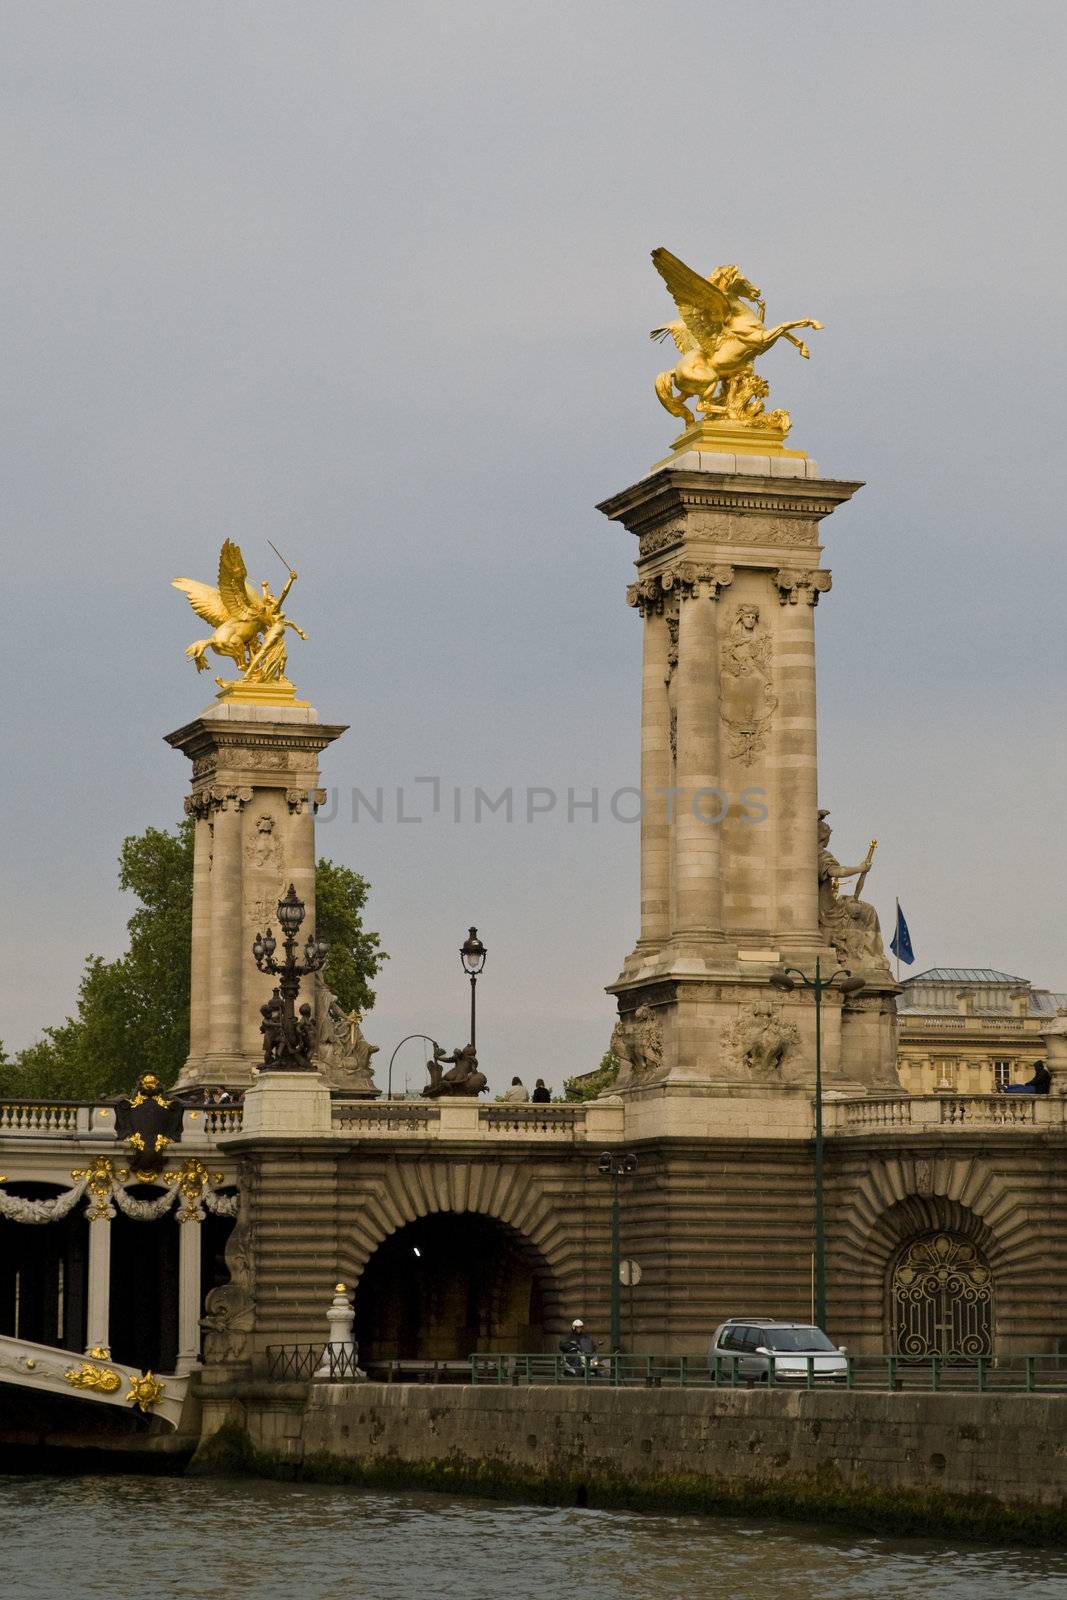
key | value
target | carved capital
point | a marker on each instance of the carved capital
(645, 596)
(686, 581)
(297, 800)
(691, 580)
(795, 584)
(205, 802)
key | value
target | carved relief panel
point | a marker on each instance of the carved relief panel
(747, 699)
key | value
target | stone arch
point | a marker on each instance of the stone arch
(450, 1284)
(902, 1197)
(508, 1193)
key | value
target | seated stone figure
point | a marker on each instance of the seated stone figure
(850, 925)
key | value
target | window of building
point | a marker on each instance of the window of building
(1002, 1073)
(946, 1074)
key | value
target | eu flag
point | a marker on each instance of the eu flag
(900, 944)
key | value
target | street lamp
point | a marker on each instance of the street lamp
(472, 953)
(785, 978)
(616, 1167)
(392, 1058)
(287, 1043)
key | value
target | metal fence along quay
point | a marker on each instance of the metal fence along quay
(1022, 1374)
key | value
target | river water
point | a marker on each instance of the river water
(194, 1539)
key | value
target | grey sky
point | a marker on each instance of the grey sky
(372, 280)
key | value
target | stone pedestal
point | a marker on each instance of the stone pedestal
(287, 1105)
(729, 573)
(254, 795)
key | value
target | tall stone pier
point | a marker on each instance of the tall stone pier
(254, 795)
(735, 871)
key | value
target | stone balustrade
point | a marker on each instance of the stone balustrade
(83, 1119)
(465, 1119)
(914, 1113)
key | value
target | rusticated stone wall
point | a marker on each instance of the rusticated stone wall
(720, 1227)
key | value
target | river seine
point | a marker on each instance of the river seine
(79, 1538)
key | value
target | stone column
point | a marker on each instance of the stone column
(301, 855)
(656, 763)
(699, 802)
(795, 762)
(253, 768)
(226, 918)
(188, 1293)
(98, 1317)
(200, 965)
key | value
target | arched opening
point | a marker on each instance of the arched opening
(941, 1299)
(447, 1285)
(144, 1287)
(43, 1274)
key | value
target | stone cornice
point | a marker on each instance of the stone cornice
(237, 743)
(671, 493)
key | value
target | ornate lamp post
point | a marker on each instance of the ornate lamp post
(616, 1167)
(472, 953)
(287, 1039)
(785, 978)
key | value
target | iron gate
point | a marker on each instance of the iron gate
(942, 1300)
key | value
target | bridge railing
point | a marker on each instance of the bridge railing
(92, 1119)
(914, 1113)
(933, 1374)
(462, 1118)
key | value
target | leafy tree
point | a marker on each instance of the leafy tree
(355, 954)
(587, 1085)
(133, 1013)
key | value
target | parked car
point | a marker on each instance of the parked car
(748, 1344)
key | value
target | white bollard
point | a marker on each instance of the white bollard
(341, 1317)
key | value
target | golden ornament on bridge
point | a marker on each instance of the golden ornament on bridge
(249, 628)
(719, 333)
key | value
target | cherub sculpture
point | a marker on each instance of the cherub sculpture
(719, 334)
(249, 623)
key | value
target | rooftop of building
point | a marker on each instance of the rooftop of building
(993, 993)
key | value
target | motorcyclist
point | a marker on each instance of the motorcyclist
(580, 1349)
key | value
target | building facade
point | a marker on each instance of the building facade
(974, 1030)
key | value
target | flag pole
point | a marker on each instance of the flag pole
(896, 939)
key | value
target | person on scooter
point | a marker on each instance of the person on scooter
(580, 1349)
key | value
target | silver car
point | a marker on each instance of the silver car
(743, 1349)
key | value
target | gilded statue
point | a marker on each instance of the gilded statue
(719, 333)
(249, 623)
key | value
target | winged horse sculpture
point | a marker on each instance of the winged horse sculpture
(719, 333)
(249, 623)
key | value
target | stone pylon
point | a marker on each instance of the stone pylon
(729, 574)
(254, 796)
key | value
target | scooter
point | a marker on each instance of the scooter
(579, 1362)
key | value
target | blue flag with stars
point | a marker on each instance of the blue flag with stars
(900, 944)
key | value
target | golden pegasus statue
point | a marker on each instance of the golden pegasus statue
(719, 333)
(249, 625)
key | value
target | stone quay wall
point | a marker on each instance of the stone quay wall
(994, 1465)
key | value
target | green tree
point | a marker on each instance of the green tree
(587, 1085)
(355, 954)
(133, 1013)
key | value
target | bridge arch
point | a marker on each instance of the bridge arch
(902, 1202)
(448, 1257)
(451, 1283)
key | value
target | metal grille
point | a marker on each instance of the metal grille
(942, 1300)
(298, 1362)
